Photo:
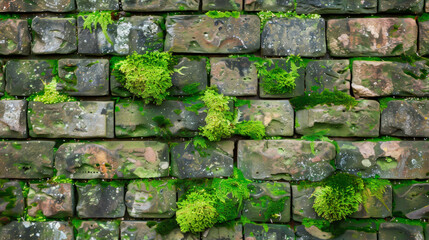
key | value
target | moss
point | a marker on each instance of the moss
(192, 88)
(319, 136)
(253, 129)
(384, 102)
(383, 139)
(424, 17)
(162, 126)
(8, 196)
(6, 96)
(94, 19)
(218, 14)
(166, 226)
(241, 102)
(319, 223)
(326, 97)
(50, 95)
(265, 16)
(95, 182)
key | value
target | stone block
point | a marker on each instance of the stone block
(136, 230)
(411, 200)
(56, 6)
(336, 6)
(188, 161)
(160, 5)
(314, 233)
(222, 5)
(11, 199)
(13, 119)
(294, 36)
(193, 72)
(202, 34)
(176, 234)
(234, 76)
(275, 232)
(97, 5)
(26, 159)
(113, 159)
(2, 78)
(427, 6)
(234, 232)
(400, 231)
(15, 37)
(52, 200)
(275, 6)
(348, 37)
(100, 230)
(51, 230)
(406, 118)
(130, 34)
(401, 6)
(424, 38)
(374, 208)
(84, 77)
(390, 159)
(285, 159)
(362, 120)
(85, 119)
(328, 74)
(302, 203)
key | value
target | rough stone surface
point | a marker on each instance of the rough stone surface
(98, 230)
(224, 233)
(363, 120)
(299, 81)
(371, 36)
(85, 119)
(391, 159)
(294, 36)
(54, 35)
(201, 34)
(2, 78)
(275, 232)
(424, 37)
(13, 119)
(37, 6)
(132, 34)
(222, 5)
(276, 115)
(26, 77)
(84, 77)
(97, 5)
(406, 118)
(328, 74)
(136, 230)
(275, 6)
(51, 230)
(113, 159)
(15, 37)
(160, 5)
(285, 159)
(336, 6)
(313, 233)
(135, 119)
(11, 199)
(151, 199)
(400, 231)
(187, 161)
(176, 234)
(192, 71)
(100, 201)
(261, 196)
(374, 208)
(302, 204)
(401, 6)
(379, 78)
(234, 76)
(427, 6)
(411, 201)
(52, 200)
(26, 159)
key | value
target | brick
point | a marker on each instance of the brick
(234, 232)
(151, 199)
(315, 233)
(101, 200)
(371, 36)
(380, 78)
(374, 208)
(406, 118)
(113, 159)
(302, 204)
(362, 120)
(103, 230)
(11, 199)
(132, 34)
(51, 230)
(424, 38)
(15, 38)
(97, 5)
(411, 200)
(13, 119)
(26, 77)
(217, 160)
(427, 6)
(275, 6)
(54, 35)
(285, 159)
(136, 119)
(37, 6)
(222, 5)
(52, 200)
(160, 5)
(294, 36)
(400, 231)
(275, 232)
(192, 71)
(202, 34)
(84, 77)
(328, 74)
(85, 119)
(26, 159)
(391, 159)
(2, 78)
(336, 6)
(276, 115)
(135, 230)
(234, 76)
(401, 6)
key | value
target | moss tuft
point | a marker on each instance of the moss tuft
(166, 226)
(218, 14)
(94, 19)
(313, 98)
(253, 129)
(50, 95)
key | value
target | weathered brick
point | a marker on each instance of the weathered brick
(52, 200)
(275, 6)
(328, 74)
(85, 119)
(411, 200)
(374, 207)
(150, 199)
(51, 230)
(2, 82)
(294, 36)
(132, 34)
(400, 231)
(285, 159)
(136, 230)
(217, 160)
(84, 77)
(427, 6)
(302, 203)
(391, 159)
(406, 118)
(11, 199)
(336, 6)
(401, 6)
(379, 78)
(234, 232)
(222, 5)
(362, 120)
(26, 77)
(97, 5)
(275, 232)
(424, 38)
(103, 230)
(26, 159)
(315, 233)
(113, 159)
(202, 34)
(234, 76)
(37, 6)
(54, 35)
(371, 36)
(15, 37)
(102, 200)
(160, 5)
(191, 72)
(13, 119)
(276, 115)
(136, 119)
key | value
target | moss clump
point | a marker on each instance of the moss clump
(6, 96)
(252, 129)
(95, 19)
(384, 102)
(50, 95)
(218, 14)
(313, 98)
(265, 16)
(166, 226)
